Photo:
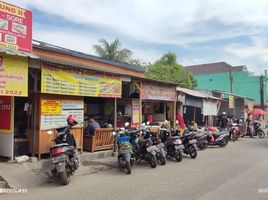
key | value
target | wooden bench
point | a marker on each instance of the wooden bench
(103, 139)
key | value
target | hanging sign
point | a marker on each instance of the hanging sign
(158, 92)
(15, 28)
(61, 80)
(13, 75)
(135, 111)
(231, 101)
(6, 114)
(50, 107)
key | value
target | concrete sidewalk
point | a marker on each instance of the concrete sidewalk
(33, 172)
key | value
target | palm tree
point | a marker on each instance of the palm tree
(112, 51)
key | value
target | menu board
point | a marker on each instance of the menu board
(62, 108)
(66, 81)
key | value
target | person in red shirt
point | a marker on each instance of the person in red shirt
(180, 120)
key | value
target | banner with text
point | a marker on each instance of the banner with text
(55, 112)
(158, 92)
(15, 28)
(13, 75)
(135, 112)
(66, 81)
(5, 114)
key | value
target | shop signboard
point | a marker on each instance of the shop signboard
(13, 75)
(15, 28)
(6, 114)
(78, 82)
(158, 92)
(231, 101)
(135, 111)
(61, 110)
(50, 107)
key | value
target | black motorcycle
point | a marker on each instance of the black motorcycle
(189, 143)
(258, 129)
(143, 148)
(63, 155)
(173, 144)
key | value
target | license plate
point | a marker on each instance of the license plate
(193, 141)
(178, 141)
(151, 148)
(179, 147)
(58, 159)
(160, 146)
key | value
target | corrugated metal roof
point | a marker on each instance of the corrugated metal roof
(18, 53)
(57, 49)
(196, 93)
(232, 94)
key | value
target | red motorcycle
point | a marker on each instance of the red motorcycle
(234, 132)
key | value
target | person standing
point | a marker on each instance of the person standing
(92, 125)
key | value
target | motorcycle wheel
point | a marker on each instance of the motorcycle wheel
(162, 159)
(261, 134)
(152, 160)
(128, 167)
(234, 137)
(192, 152)
(224, 142)
(64, 178)
(178, 156)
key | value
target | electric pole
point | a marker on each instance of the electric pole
(262, 92)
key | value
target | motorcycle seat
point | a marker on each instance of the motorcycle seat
(175, 137)
(60, 145)
(201, 134)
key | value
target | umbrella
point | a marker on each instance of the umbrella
(257, 111)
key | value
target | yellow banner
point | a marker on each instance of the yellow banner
(50, 107)
(14, 10)
(231, 101)
(61, 80)
(13, 75)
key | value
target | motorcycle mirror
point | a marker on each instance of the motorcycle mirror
(122, 129)
(50, 132)
(114, 133)
(126, 124)
(147, 122)
(166, 121)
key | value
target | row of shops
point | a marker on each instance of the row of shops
(41, 90)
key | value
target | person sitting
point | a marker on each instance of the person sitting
(92, 125)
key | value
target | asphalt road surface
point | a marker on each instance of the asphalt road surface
(238, 171)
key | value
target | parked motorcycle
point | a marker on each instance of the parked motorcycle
(143, 148)
(160, 150)
(63, 155)
(125, 152)
(258, 129)
(212, 137)
(189, 143)
(173, 144)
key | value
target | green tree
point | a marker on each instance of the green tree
(112, 51)
(167, 69)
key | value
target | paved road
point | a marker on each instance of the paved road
(237, 171)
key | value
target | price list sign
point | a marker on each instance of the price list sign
(61, 80)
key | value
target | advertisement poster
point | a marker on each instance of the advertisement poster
(15, 28)
(59, 80)
(6, 114)
(157, 92)
(13, 75)
(135, 111)
(58, 119)
(50, 107)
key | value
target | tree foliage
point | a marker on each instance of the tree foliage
(167, 69)
(112, 51)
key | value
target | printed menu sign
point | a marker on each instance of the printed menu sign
(66, 81)
(55, 112)
(15, 28)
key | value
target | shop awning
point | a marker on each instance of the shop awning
(17, 53)
(196, 93)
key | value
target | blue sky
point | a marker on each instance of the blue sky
(197, 31)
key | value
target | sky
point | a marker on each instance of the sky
(198, 31)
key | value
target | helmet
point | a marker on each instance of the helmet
(224, 113)
(72, 120)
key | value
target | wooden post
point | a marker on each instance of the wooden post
(194, 113)
(174, 114)
(115, 113)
